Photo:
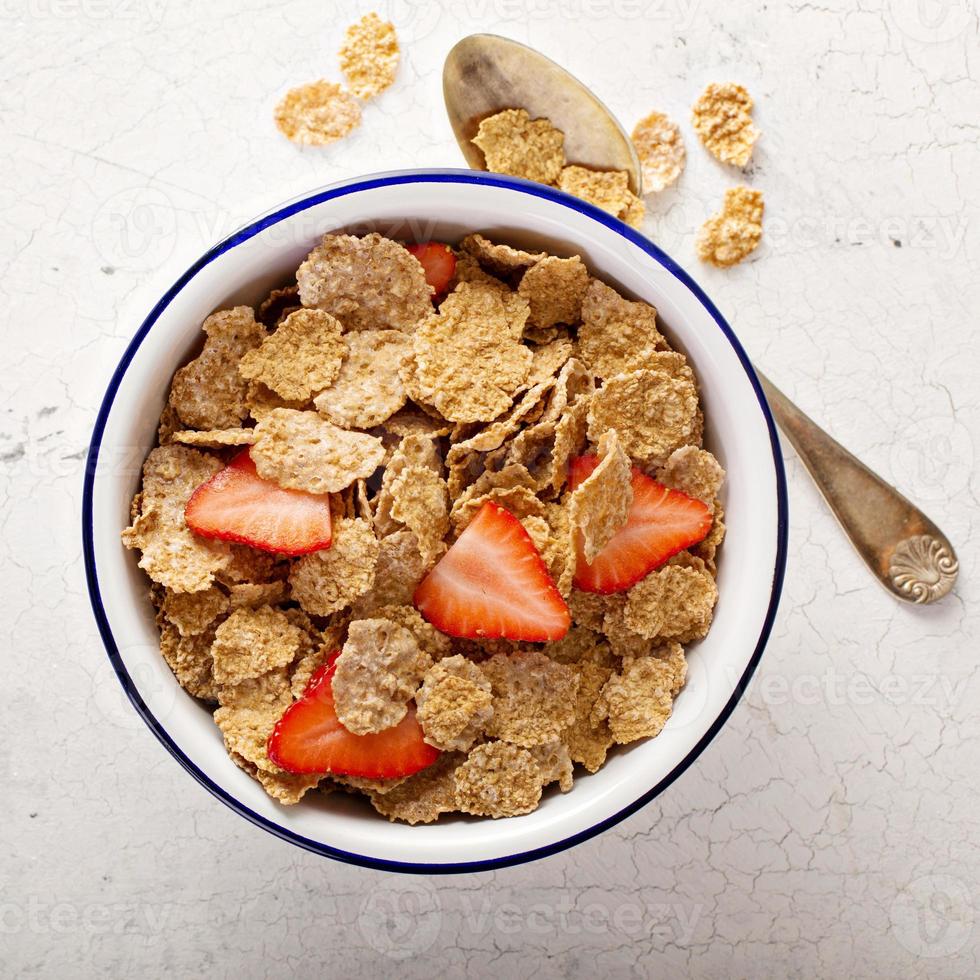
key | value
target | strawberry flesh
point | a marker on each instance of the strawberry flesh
(492, 583)
(661, 523)
(236, 504)
(439, 263)
(309, 738)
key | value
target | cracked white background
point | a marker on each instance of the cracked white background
(832, 828)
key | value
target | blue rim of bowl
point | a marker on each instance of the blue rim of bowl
(286, 211)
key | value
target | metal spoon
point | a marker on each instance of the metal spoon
(484, 74)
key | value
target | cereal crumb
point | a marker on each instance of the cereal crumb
(661, 151)
(317, 114)
(513, 143)
(327, 581)
(369, 56)
(251, 642)
(498, 779)
(377, 673)
(727, 238)
(454, 704)
(721, 117)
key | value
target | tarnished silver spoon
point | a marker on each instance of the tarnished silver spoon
(484, 74)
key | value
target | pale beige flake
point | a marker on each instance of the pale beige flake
(189, 657)
(454, 704)
(469, 355)
(653, 413)
(694, 472)
(672, 603)
(600, 504)
(369, 56)
(637, 701)
(727, 238)
(193, 612)
(661, 151)
(377, 673)
(249, 711)
(423, 797)
(301, 451)
(616, 334)
(554, 289)
(430, 640)
(588, 740)
(208, 393)
(302, 357)
(327, 581)
(722, 118)
(514, 143)
(172, 554)
(251, 642)
(420, 501)
(498, 258)
(214, 438)
(399, 571)
(317, 114)
(606, 189)
(369, 389)
(532, 697)
(368, 283)
(498, 779)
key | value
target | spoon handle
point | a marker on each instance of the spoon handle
(909, 555)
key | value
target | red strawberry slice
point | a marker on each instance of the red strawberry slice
(439, 264)
(661, 523)
(492, 583)
(236, 504)
(309, 738)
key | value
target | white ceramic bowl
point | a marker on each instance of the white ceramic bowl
(443, 205)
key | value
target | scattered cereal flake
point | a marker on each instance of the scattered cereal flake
(498, 779)
(532, 696)
(329, 580)
(214, 438)
(377, 673)
(637, 701)
(193, 612)
(469, 355)
(317, 113)
(369, 388)
(251, 595)
(606, 189)
(616, 335)
(554, 289)
(301, 358)
(661, 151)
(413, 388)
(369, 283)
(171, 553)
(423, 797)
(369, 56)
(251, 642)
(600, 504)
(420, 501)
(249, 711)
(498, 258)
(541, 335)
(727, 238)
(548, 359)
(302, 451)
(588, 609)
(514, 143)
(722, 118)
(437, 645)
(555, 764)
(189, 657)
(454, 704)
(588, 740)
(278, 305)
(399, 571)
(653, 413)
(363, 784)
(306, 665)
(694, 472)
(672, 603)
(208, 393)
(622, 640)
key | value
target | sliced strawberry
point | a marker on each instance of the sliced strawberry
(309, 738)
(492, 583)
(661, 523)
(236, 504)
(439, 264)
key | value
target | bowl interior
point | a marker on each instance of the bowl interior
(444, 206)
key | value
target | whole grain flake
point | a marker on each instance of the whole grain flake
(369, 56)
(498, 779)
(317, 114)
(327, 581)
(514, 143)
(733, 234)
(454, 704)
(722, 119)
(660, 149)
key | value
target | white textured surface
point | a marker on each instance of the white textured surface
(831, 828)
